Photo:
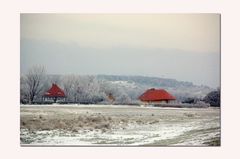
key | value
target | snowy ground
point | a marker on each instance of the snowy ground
(103, 125)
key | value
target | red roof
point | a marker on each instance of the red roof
(156, 95)
(55, 91)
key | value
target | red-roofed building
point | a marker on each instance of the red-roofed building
(156, 96)
(54, 93)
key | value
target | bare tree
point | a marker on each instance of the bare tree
(23, 90)
(34, 81)
(71, 85)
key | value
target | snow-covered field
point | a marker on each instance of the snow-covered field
(109, 125)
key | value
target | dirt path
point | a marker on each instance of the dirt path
(118, 125)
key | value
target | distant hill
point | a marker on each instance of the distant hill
(181, 89)
(125, 89)
(148, 81)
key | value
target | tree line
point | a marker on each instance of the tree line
(89, 89)
(78, 89)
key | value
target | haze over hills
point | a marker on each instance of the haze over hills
(180, 89)
(135, 85)
(58, 58)
(147, 81)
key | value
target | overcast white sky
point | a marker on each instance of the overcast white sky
(181, 46)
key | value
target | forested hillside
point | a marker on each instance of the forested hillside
(98, 89)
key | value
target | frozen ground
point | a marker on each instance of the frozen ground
(119, 125)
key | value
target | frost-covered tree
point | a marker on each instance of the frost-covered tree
(23, 90)
(82, 89)
(71, 85)
(213, 98)
(90, 90)
(123, 98)
(34, 82)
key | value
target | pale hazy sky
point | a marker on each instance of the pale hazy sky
(181, 46)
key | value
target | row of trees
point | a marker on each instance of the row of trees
(213, 98)
(78, 89)
(89, 89)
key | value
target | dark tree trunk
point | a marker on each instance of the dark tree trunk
(55, 99)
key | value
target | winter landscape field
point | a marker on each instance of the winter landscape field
(121, 125)
(120, 79)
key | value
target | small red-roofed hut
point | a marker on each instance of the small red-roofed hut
(54, 93)
(156, 96)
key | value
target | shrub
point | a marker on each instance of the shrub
(213, 98)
